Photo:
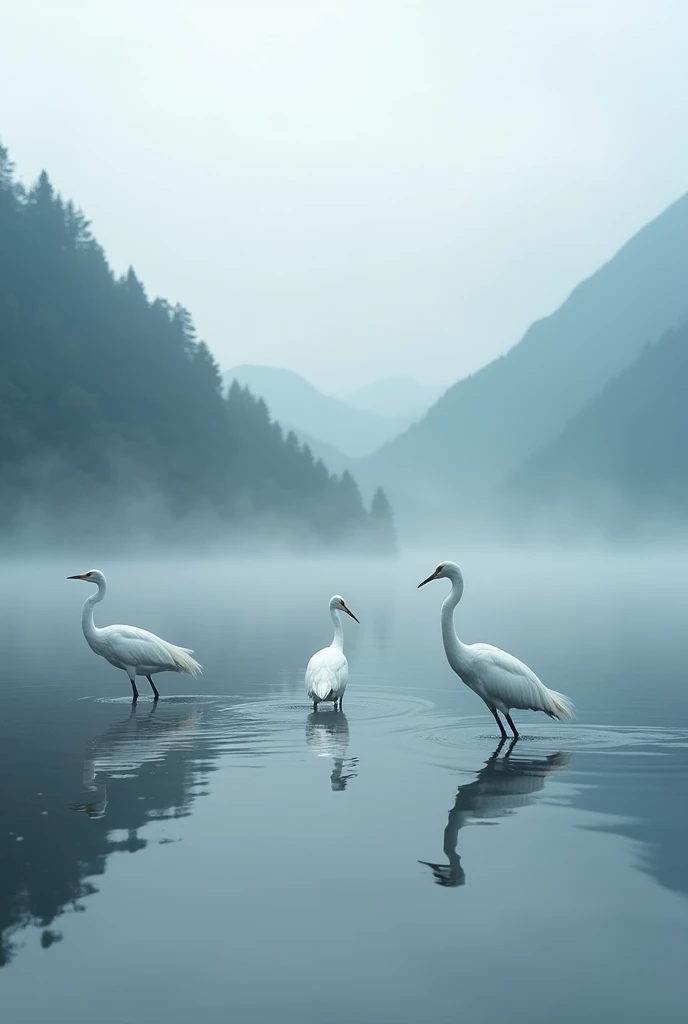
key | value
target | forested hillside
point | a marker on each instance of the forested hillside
(622, 463)
(112, 413)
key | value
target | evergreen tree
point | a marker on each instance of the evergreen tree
(383, 532)
(108, 398)
(350, 496)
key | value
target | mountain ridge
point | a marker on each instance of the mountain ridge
(623, 460)
(295, 402)
(486, 425)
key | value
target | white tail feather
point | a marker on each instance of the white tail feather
(321, 686)
(562, 708)
(184, 661)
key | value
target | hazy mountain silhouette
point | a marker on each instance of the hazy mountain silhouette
(397, 397)
(623, 461)
(298, 405)
(486, 426)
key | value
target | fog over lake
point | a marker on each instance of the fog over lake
(229, 853)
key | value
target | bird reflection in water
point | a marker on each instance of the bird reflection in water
(501, 787)
(327, 735)
(96, 807)
(123, 749)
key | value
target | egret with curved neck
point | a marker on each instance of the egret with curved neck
(501, 680)
(135, 650)
(327, 672)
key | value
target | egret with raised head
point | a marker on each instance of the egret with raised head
(327, 672)
(135, 650)
(503, 682)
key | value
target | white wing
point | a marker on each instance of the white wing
(134, 647)
(327, 674)
(507, 683)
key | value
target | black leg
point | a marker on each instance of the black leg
(513, 727)
(498, 721)
(315, 705)
(153, 687)
(340, 703)
(135, 692)
(498, 749)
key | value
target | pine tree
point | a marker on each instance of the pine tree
(348, 515)
(107, 396)
(383, 532)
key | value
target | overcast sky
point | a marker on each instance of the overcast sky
(355, 188)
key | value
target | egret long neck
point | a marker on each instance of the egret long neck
(454, 649)
(338, 639)
(87, 624)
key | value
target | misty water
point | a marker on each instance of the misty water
(228, 855)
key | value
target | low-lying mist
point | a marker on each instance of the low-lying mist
(48, 503)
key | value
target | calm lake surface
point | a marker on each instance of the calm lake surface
(228, 855)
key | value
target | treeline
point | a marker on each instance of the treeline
(112, 411)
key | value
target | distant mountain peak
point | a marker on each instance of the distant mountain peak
(293, 401)
(263, 369)
(394, 396)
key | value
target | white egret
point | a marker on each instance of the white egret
(327, 672)
(501, 680)
(135, 650)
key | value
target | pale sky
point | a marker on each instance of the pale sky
(354, 188)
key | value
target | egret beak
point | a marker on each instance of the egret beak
(82, 577)
(351, 614)
(428, 580)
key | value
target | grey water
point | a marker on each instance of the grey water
(227, 854)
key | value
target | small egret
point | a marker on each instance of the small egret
(135, 650)
(328, 671)
(501, 680)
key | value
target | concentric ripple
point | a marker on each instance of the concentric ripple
(274, 727)
(436, 736)
(255, 730)
(371, 707)
(146, 699)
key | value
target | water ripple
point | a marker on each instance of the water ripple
(436, 736)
